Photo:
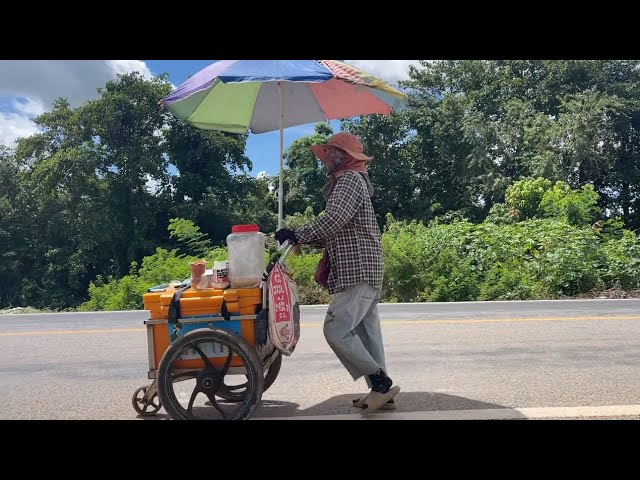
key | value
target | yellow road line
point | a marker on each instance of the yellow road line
(504, 320)
(70, 332)
(384, 322)
(518, 319)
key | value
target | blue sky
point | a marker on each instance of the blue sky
(28, 88)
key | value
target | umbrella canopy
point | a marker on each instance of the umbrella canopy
(261, 96)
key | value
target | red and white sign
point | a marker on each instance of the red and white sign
(284, 312)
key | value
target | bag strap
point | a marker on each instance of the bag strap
(224, 311)
(174, 307)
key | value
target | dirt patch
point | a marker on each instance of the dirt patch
(19, 310)
(612, 293)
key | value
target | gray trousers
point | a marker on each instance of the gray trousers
(352, 329)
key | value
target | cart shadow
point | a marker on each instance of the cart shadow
(406, 402)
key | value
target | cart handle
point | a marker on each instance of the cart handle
(287, 247)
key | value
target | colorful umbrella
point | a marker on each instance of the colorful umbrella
(261, 96)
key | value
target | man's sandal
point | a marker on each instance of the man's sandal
(377, 401)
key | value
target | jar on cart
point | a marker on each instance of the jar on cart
(247, 261)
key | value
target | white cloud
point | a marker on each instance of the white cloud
(77, 80)
(126, 66)
(29, 107)
(39, 82)
(389, 70)
(17, 123)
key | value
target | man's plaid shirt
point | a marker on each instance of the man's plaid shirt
(350, 233)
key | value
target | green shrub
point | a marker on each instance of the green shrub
(126, 293)
(623, 261)
(555, 254)
(303, 269)
(511, 280)
(578, 207)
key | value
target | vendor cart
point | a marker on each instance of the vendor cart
(211, 366)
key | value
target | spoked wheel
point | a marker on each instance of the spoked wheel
(144, 407)
(234, 393)
(195, 394)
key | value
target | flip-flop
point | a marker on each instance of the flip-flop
(376, 400)
(361, 401)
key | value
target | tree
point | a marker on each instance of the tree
(14, 227)
(397, 184)
(192, 241)
(482, 125)
(93, 191)
(62, 212)
(305, 175)
(538, 198)
(124, 131)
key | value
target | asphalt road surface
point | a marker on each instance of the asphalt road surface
(478, 360)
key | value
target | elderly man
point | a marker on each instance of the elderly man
(351, 237)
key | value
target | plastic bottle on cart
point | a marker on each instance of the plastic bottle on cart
(246, 256)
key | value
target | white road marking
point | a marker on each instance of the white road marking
(531, 413)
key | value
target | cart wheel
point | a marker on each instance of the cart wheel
(143, 407)
(272, 373)
(179, 390)
(234, 393)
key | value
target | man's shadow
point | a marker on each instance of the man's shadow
(406, 402)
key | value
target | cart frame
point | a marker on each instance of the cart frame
(149, 404)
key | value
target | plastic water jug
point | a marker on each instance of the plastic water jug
(246, 256)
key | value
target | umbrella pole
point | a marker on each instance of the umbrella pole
(280, 183)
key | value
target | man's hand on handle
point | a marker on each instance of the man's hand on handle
(284, 235)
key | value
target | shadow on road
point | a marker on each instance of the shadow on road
(342, 404)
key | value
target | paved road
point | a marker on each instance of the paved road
(487, 360)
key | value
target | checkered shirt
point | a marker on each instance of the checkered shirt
(350, 234)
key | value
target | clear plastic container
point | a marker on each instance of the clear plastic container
(246, 256)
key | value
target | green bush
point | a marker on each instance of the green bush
(623, 261)
(299, 220)
(534, 259)
(578, 207)
(537, 198)
(554, 254)
(162, 267)
(417, 259)
(303, 269)
(572, 259)
(113, 294)
(524, 196)
(126, 293)
(451, 279)
(501, 213)
(563, 257)
(512, 281)
(403, 279)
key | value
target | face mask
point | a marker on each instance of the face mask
(335, 158)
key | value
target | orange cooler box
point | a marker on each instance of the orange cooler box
(199, 303)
